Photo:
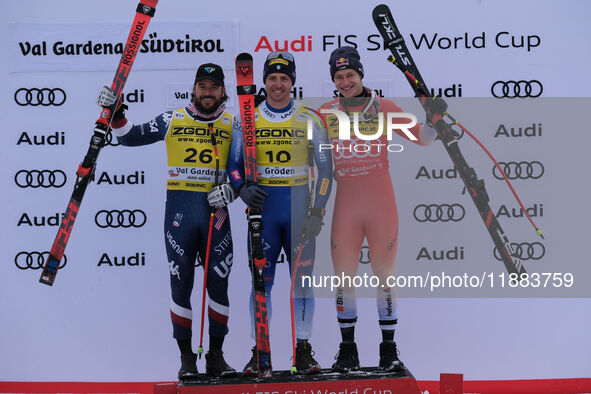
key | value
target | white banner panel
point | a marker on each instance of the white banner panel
(107, 316)
(98, 46)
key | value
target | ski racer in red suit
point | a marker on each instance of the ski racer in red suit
(365, 206)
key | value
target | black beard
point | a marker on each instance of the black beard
(204, 111)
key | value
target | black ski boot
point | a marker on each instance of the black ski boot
(305, 363)
(188, 366)
(215, 365)
(251, 369)
(347, 358)
(389, 361)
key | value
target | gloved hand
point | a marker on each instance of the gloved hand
(313, 223)
(107, 98)
(252, 195)
(433, 106)
(221, 195)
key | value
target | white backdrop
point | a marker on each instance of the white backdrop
(109, 323)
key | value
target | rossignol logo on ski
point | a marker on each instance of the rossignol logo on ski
(130, 51)
(244, 70)
(247, 125)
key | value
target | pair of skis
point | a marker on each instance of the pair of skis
(144, 13)
(246, 95)
(401, 58)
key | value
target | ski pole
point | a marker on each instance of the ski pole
(291, 304)
(295, 269)
(206, 263)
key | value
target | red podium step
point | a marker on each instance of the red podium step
(365, 381)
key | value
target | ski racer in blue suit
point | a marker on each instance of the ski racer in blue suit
(194, 189)
(283, 157)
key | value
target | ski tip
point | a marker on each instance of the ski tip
(149, 3)
(244, 56)
(380, 9)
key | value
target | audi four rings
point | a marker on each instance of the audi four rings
(44, 97)
(439, 213)
(109, 140)
(513, 89)
(40, 178)
(120, 218)
(525, 251)
(519, 170)
(34, 260)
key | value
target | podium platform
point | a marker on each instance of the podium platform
(364, 381)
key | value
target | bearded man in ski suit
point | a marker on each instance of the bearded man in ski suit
(365, 206)
(190, 134)
(282, 154)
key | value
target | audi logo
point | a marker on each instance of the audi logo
(513, 89)
(125, 218)
(34, 260)
(439, 213)
(40, 178)
(44, 97)
(524, 251)
(520, 170)
(110, 140)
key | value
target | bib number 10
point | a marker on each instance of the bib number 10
(282, 156)
(205, 156)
